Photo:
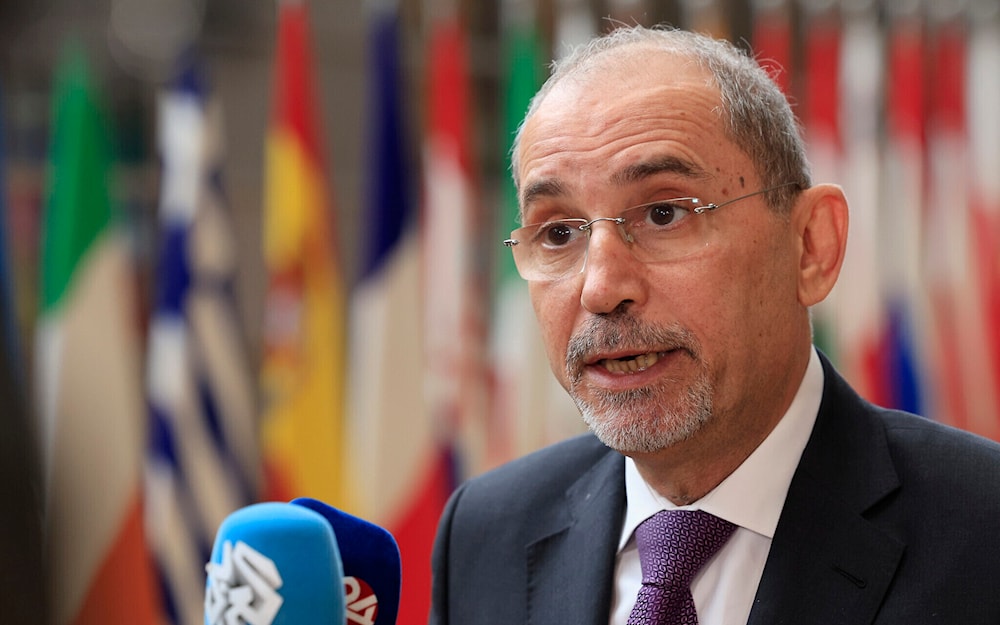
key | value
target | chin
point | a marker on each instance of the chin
(631, 428)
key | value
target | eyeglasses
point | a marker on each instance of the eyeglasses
(656, 232)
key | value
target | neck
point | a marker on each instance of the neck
(688, 470)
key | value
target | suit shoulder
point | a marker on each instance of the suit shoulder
(569, 457)
(965, 460)
(927, 457)
(539, 475)
(912, 431)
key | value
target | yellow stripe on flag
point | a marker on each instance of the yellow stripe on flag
(303, 362)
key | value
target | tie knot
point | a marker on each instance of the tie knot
(675, 544)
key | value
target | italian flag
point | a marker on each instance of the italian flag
(89, 377)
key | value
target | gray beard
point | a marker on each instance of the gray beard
(641, 421)
(646, 419)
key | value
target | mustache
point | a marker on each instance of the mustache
(620, 330)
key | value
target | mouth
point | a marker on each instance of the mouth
(622, 352)
(633, 363)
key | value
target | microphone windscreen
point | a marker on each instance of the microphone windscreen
(372, 566)
(275, 564)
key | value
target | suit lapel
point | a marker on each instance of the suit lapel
(573, 555)
(828, 564)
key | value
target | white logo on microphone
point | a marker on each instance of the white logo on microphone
(243, 587)
(362, 604)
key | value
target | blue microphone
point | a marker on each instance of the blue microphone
(275, 564)
(372, 567)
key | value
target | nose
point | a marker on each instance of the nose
(612, 276)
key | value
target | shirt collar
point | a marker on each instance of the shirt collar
(753, 495)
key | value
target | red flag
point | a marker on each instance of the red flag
(772, 41)
(982, 104)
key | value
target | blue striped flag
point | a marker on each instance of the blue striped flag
(202, 455)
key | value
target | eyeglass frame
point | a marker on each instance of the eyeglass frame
(586, 226)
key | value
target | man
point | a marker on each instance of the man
(681, 329)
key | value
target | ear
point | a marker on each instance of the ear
(820, 219)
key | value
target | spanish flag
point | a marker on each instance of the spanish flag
(304, 333)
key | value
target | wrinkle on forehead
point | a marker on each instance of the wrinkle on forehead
(580, 120)
(624, 67)
(608, 111)
(567, 128)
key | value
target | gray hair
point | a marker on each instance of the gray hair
(756, 114)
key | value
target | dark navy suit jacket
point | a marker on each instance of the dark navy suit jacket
(890, 518)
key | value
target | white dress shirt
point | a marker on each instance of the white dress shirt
(751, 498)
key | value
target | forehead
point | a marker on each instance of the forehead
(624, 109)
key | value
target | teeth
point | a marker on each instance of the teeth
(632, 365)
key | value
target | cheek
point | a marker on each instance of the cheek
(727, 298)
(705, 300)
(758, 290)
(556, 306)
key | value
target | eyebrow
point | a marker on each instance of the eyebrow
(661, 165)
(552, 187)
(549, 187)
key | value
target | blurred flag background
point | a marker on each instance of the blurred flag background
(202, 459)
(251, 251)
(88, 373)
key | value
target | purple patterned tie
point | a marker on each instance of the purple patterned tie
(673, 546)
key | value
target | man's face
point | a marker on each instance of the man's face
(656, 353)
